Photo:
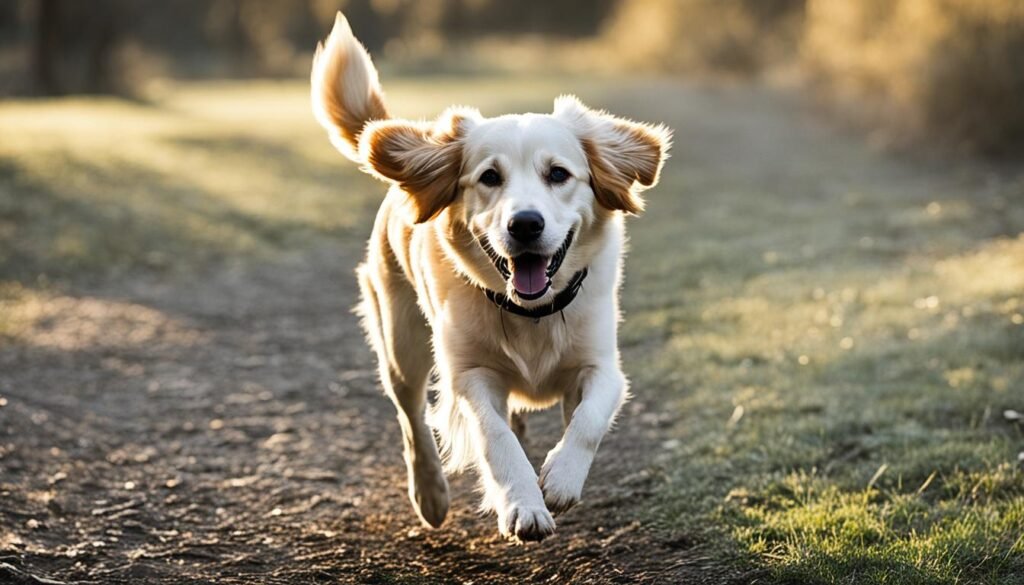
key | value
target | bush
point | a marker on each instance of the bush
(946, 70)
(736, 37)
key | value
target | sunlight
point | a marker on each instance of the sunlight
(65, 323)
(994, 270)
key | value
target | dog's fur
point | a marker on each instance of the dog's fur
(422, 304)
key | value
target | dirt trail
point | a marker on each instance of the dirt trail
(228, 428)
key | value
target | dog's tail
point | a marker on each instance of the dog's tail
(344, 87)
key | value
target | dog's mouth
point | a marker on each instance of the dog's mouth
(529, 273)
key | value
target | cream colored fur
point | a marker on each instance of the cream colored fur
(422, 306)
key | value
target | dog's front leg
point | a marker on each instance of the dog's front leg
(601, 392)
(510, 484)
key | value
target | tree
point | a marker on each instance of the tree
(75, 46)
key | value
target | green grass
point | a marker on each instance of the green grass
(839, 334)
(835, 333)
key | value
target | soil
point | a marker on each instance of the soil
(229, 428)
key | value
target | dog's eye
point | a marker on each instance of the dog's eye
(491, 178)
(558, 175)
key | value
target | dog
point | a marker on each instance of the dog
(492, 274)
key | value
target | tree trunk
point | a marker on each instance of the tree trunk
(46, 47)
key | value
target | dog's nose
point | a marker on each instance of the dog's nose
(526, 226)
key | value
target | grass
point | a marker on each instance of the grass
(102, 186)
(835, 333)
(839, 333)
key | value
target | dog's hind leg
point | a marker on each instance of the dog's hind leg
(518, 423)
(399, 334)
(570, 401)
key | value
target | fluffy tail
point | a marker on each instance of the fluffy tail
(344, 88)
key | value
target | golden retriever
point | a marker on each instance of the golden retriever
(495, 262)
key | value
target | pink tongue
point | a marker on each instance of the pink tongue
(529, 275)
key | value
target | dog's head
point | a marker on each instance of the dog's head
(528, 188)
(518, 198)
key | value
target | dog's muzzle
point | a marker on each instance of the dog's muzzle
(529, 273)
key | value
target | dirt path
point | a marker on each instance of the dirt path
(230, 429)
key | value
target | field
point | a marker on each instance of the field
(826, 345)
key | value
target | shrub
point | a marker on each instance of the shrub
(946, 70)
(737, 37)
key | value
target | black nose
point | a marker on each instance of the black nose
(526, 226)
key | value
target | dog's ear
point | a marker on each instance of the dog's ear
(424, 159)
(625, 157)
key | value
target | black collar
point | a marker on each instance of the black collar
(560, 301)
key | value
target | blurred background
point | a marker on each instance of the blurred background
(936, 69)
(824, 301)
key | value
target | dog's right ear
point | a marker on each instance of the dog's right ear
(424, 159)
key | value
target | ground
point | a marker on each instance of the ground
(824, 340)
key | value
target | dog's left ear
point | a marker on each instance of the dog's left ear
(423, 158)
(625, 157)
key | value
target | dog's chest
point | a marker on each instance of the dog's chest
(535, 350)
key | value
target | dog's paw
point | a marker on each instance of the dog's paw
(428, 492)
(526, 523)
(562, 478)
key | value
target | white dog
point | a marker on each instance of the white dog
(495, 261)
